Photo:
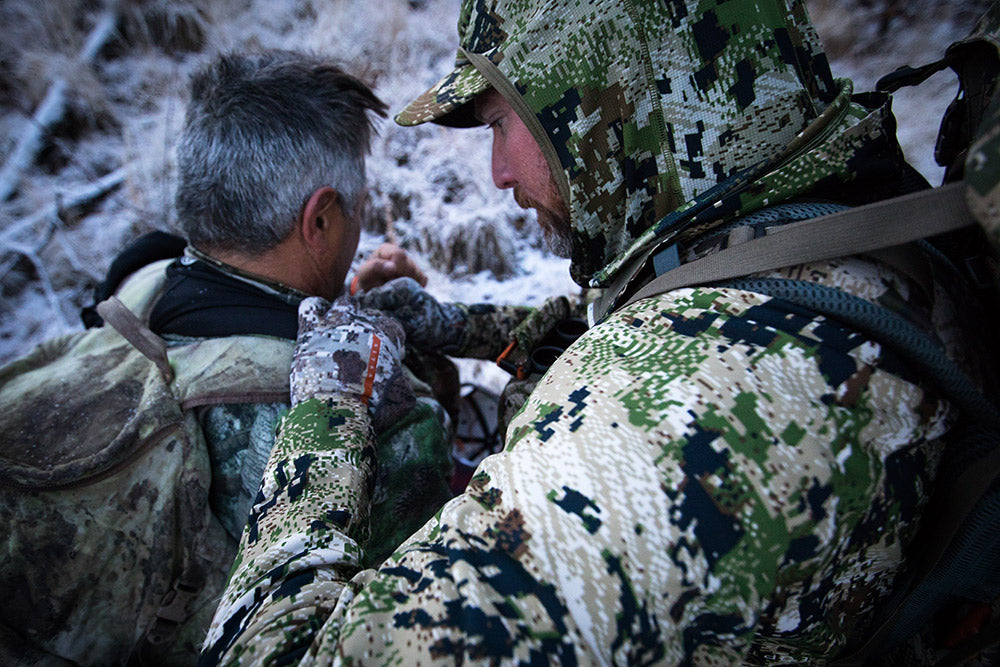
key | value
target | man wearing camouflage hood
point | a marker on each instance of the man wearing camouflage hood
(711, 475)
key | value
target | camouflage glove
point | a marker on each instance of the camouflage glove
(342, 349)
(429, 324)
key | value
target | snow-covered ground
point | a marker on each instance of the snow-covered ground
(430, 187)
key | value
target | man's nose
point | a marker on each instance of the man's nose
(502, 176)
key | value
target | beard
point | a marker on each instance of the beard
(554, 220)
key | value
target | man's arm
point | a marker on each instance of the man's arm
(476, 331)
(658, 489)
(300, 544)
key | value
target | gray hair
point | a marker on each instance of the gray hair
(262, 132)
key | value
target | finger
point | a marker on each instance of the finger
(402, 263)
(389, 250)
(418, 275)
(374, 272)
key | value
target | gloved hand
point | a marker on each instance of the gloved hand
(429, 324)
(342, 349)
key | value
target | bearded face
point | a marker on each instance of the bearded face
(518, 164)
(553, 217)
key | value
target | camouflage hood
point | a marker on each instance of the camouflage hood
(655, 116)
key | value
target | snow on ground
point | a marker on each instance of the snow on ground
(430, 187)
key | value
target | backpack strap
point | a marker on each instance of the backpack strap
(970, 500)
(863, 229)
(138, 334)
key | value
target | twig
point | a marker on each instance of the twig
(83, 195)
(51, 110)
(43, 277)
(72, 256)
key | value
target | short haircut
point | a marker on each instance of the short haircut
(262, 132)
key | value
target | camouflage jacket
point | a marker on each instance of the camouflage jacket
(109, 511)
(239, 437)
(707, 476)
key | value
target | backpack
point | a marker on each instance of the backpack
(111, 553)
(948, 608)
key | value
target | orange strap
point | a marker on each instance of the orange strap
(372, 367)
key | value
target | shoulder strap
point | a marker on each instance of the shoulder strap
(138, 334)
(882, 224)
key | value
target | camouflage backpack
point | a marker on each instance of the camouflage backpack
(948, 608)
(111, 553)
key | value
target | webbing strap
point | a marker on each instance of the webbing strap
(854, 231)
(125, 322)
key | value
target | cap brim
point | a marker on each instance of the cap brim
(448, 101)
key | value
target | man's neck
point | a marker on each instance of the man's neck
(252, 269)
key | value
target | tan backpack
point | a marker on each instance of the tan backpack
(110, 552)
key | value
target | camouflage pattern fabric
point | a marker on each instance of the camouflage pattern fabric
(535, 337)
(645, 109)
(476, 331)
(429, 324)
(239, 437)
(116, 487)
(709, 476)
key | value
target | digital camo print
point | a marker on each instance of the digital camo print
(117, 488)
(476, 331)
(707, 477)
(648, 108)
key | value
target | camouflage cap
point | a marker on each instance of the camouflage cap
(480, 31)
(447, 101)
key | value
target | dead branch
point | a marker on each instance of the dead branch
(31, 254)
(50, 214)
(51, 110)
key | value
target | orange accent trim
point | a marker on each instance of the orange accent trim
(354, 285)
(503, 355)
(506, 365)
(372, 366)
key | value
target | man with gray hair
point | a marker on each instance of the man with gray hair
(270, 196)
(125, 562)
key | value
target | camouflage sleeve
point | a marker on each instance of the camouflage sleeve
(488, 329)
(412, 477)
(300, 544)
(707, 477)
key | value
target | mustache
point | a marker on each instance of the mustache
(523, 200)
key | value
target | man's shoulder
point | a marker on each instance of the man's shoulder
(677, 358)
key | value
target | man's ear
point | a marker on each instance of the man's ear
(321, 218)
